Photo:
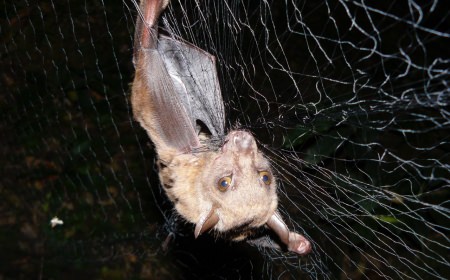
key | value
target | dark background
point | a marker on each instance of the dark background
(70, 147)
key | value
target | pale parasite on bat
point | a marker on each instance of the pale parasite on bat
(175, 93)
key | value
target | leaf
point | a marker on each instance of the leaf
(387, 219)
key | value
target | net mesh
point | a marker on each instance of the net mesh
(348, 99)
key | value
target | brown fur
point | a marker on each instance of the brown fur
(191, 180)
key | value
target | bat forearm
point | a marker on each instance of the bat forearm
(154, 99)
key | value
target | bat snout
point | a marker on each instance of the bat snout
(241, 141)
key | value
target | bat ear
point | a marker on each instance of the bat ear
(207, 221)
(295, 242)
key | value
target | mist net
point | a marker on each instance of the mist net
(348, 99)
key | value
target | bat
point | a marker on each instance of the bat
(176, 98)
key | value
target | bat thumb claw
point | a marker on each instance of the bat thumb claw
(206, 222)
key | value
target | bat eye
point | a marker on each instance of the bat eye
(224, 183)
(265, 177)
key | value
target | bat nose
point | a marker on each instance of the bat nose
(243, 141)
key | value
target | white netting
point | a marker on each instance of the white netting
(349, 100)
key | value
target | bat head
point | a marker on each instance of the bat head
(239, 186)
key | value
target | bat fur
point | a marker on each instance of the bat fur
(175, 88)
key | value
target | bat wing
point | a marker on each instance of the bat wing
(175, 86)
(194, 75)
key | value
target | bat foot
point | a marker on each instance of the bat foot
(299, 244)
